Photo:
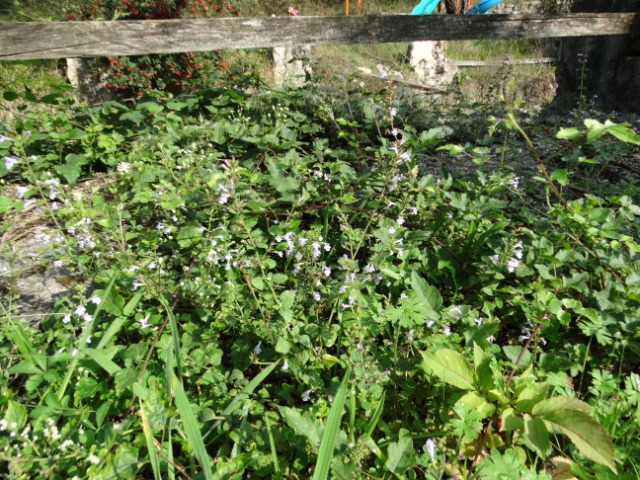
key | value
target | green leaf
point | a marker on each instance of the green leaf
(478, 403)
(283, 346)
(86, 387)
(510, 421)
(302, 425)
(569, 416)
(482, 364)
(568, 134)
(428, 295)
(15, 414)
(72, 168)
(331, 430)
(450, 367)
(400, 455)
(125, 379)
(536, 436)
(595, 129)
(561, 176)
(622, 132)
(189, 236)
(530, 396)
(122, 464)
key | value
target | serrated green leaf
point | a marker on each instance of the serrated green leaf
(427, 294)
(569, 416)
(302, 425)
(450, 367)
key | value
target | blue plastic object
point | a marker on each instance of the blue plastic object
(483, 7)
(425, 7)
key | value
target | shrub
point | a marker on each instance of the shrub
(136, 76)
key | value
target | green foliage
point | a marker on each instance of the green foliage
(278, 285)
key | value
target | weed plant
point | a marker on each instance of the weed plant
(277, 285)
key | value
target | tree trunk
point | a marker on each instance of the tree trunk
(602, 70)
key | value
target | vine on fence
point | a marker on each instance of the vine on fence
(141, 75)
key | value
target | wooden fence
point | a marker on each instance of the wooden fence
(42, 40)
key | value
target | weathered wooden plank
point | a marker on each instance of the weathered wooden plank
(32, 40)
(498, 63)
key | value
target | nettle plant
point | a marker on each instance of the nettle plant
(136, 76)
(280, 288)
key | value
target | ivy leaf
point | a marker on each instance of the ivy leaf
(72, 168)
(400, 455)
(500, 467)
(469, 424)
(570, 417)
(450, 367)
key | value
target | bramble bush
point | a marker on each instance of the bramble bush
(279, 286)
(136, 76)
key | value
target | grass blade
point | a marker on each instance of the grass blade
(151, 448)
(175, 334)
(272, 443)
(242, 396)
(332, 428)
(376, 415)
(191, 429)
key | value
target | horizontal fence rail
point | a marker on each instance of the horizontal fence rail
(41, 40)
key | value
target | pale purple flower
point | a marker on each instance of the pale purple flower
(446, 329)
(66, 318)
(512, 264)
(393, 112)
(95, 299)
(491, 339)
(306, 396)
(20, 191)
(80, 310)
(431, 449)
(258, 348)
(3, 138)
(10, 162)
(285, 364)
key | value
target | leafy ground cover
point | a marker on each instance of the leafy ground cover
(281, 286)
